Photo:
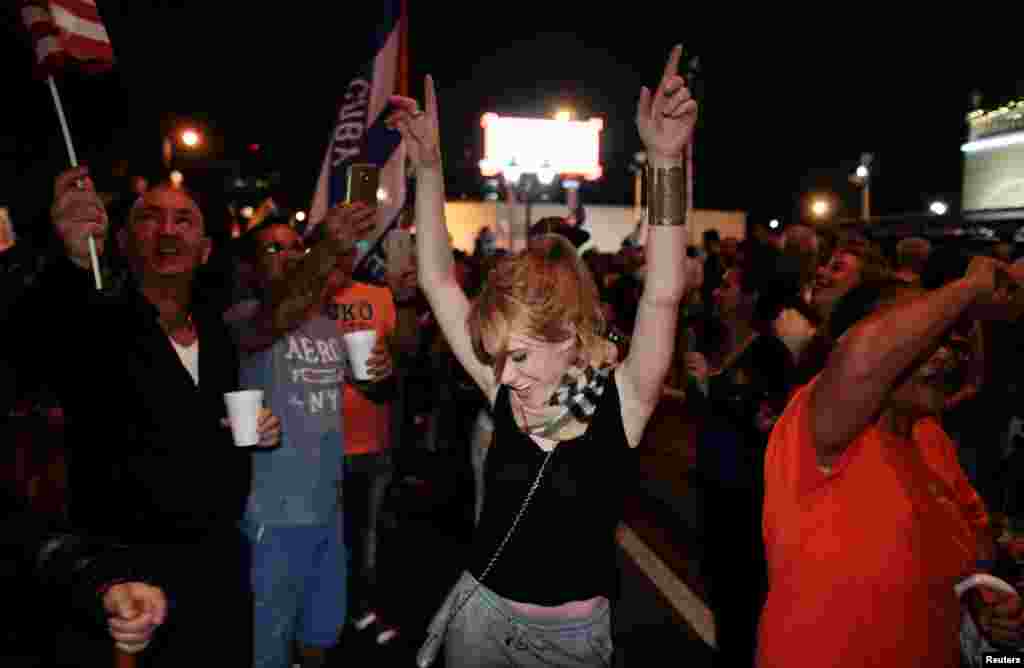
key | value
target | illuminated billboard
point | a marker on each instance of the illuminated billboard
(994, 159)
(566, 147)
(994, 177)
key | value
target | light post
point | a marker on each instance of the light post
(939, 208)
(521, 183)
(862, 179)
(190, 138)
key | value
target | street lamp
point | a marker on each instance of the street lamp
(513, 173)
(773, 224)
(862, 178)
(820, 208)
(300, 216)
(190, 138)
(939, 208)
(520, 185)
(546, 175)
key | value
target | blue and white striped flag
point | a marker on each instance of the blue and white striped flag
(359, 136)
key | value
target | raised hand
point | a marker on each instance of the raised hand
(348, 223)
(983, 273)
(419, 129)
(78, 213)
(667, 119)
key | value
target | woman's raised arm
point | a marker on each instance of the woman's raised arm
(435, 262)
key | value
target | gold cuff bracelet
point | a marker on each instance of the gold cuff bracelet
(666, 196)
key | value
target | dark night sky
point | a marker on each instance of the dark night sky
(789, 101)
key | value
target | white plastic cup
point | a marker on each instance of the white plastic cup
(359, 345)
(244, 415)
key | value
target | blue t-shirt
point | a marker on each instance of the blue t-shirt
(301, 375)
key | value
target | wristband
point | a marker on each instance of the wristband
(666, 196)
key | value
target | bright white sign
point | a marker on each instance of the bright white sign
(994, 177)
(569, 148)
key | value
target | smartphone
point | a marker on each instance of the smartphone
(398, 246)
(363, 183)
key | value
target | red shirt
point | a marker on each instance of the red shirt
(366, 425)
(862, 560)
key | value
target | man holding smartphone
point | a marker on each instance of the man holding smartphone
(291, 349)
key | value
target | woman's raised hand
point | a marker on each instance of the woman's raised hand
(418, 128)
(667, 119)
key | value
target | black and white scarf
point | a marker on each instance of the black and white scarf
(578, 395)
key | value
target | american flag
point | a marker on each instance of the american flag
(65, 32)
(359, 136)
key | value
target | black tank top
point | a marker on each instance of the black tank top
(564, 547)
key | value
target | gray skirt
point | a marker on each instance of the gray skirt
(487, 632)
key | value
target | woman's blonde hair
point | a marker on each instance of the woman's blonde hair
(546, 292)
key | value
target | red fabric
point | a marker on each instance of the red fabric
(83, 9)
(366, 425)
(862, 560)
(67, 33)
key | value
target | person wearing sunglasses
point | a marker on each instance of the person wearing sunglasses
(292, 349)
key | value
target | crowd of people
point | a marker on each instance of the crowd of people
(856, 405)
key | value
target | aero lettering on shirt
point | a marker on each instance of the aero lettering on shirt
(321, 352)
(314, 352)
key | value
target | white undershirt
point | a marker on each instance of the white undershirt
(189, 356)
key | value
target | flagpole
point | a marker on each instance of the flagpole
(93, 257)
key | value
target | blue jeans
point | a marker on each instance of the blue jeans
(298, 578)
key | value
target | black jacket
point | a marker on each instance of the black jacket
(148, 459)
(49, 573)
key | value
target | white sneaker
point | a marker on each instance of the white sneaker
(363, 622)
(384, 637)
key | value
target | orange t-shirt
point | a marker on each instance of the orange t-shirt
(862, 560)
(366, 425)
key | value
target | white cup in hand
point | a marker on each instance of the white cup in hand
(359, 345)
(244, 415)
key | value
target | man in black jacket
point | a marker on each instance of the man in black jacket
(141, 372)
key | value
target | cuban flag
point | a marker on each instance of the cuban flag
(359, 136)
